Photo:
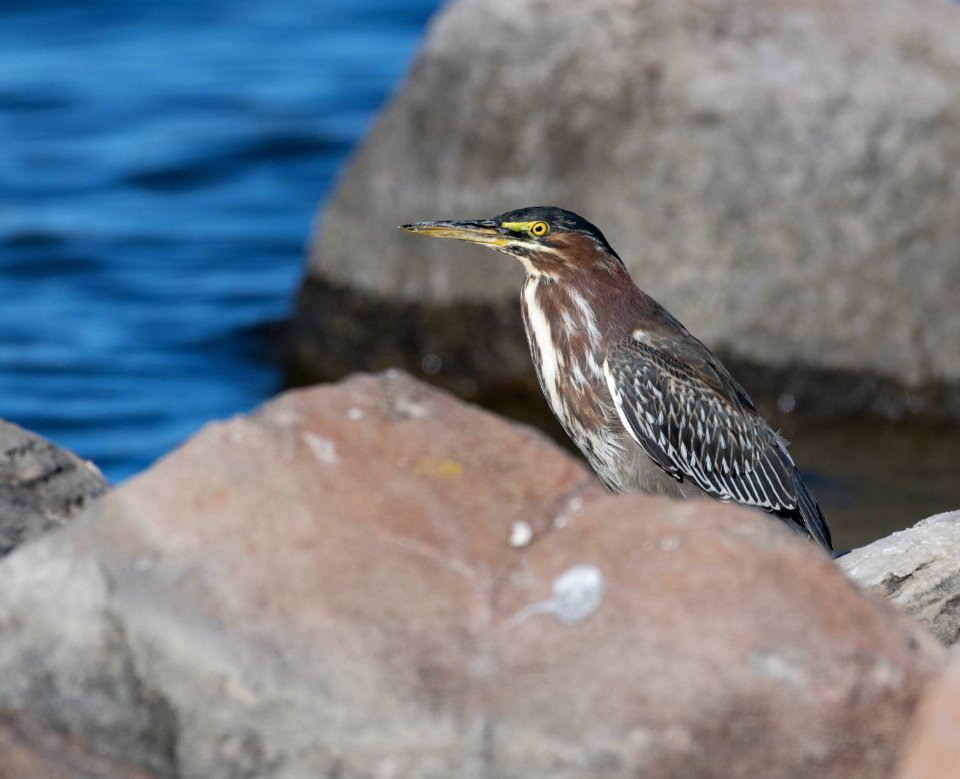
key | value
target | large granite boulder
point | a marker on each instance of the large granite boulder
(42, 486)
(781, 175)
(373, 580)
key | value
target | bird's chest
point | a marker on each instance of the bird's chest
(565, 345)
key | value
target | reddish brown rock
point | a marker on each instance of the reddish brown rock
(373, 580)
(933, 747)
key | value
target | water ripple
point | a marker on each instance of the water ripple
(160, 171)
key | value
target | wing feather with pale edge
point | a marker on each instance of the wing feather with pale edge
(707, 432)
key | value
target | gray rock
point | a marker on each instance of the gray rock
(32, 752)
(41, 486)
(375, 580)
(782, 176)
(918, 569)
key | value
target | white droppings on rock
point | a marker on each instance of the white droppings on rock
(670, 544)
(322, 448)
(411, 408)
(563, 519)
(355, 413)
(520, 534)
(780, 667)
(284, 417)
(577, 593)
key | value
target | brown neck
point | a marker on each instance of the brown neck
(603, 293)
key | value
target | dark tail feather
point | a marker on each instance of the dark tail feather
(812, 517)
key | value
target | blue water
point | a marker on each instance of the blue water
(159, 168)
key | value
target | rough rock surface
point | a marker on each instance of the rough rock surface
(27, 751)
(781, 175)
(374, 580)
(918, 569)
(933, 746)
(41, 485)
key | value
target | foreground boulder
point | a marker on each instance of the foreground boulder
(777, 174)
(933, 743)
(373, 580)
(918, 569)
(41, 486)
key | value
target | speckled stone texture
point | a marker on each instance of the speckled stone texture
(41, 486)
(28, 751)
(918, 569)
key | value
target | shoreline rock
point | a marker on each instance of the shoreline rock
(42, 487)
(374, 579)
(918, 569)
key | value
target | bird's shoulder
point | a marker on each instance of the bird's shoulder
(684, 408)
(661, 340)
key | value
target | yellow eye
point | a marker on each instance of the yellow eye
(539, 229)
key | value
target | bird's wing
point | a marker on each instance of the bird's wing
(696, 424)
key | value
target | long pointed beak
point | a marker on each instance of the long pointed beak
(488, 233)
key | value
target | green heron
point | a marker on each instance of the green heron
(648, 404)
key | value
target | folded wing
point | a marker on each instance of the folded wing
(696, 423)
